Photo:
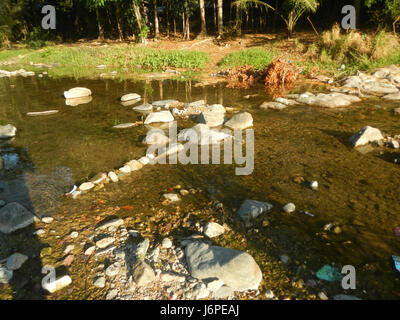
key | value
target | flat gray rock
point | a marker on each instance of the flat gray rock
(162, 116)
(146, 107)
(253, 208)
(165, 103)
(273, 105)
(240, 121)
(212, 119)
(235, 268)
(13, 216)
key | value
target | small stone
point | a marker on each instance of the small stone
(269, 294)
(112, 175)
(130, 96)
(166, 243)
(112, 294)
(213, 229)
(69, 248)
(141, 248)
(74, 234)
(2, 203)
(113, 270)
(5, 275)
(184, 192)
(53, 286)
(394, 144)
(285, 259)
(171, 197)
(15, 261)
(105, 242)
(98, 178)
(68, 260)
(134, 165)
(115, 223)
(125, 169)
(39, 232)
(89, 251)
(47, 220)
(366, 135)
(99, 282)
(314, 185)
(143, 274)
(86, 186)
(322, 296)
(289, 208)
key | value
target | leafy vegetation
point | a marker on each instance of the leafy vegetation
(258, 58)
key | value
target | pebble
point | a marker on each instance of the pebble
(86, 186)
(111, 294)
(99, 282)
(69, 248)
(47, 220)
(322, 296)
(171, 197)
(113, 270)
(112, 175)
(314, 185)
(269, 294)
(284, 258)
(53, 286)
(5, 275)
(90, 250)
(39, 232)
(105, 242)
(166, 243)
(289, 208)
(74, 234)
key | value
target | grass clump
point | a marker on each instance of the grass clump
(258, 58)
(355, 50)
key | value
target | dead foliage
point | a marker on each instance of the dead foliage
(279, 75)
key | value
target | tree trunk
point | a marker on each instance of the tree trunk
(156, 26)
(357, 4)
(117, 12)
(167, 13)
(174, 27)
(138, 16)
(220, 18)
(203, 32)
(215, 14)
(187, 27)
(100, 27)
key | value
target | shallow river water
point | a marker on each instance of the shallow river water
(358, 189)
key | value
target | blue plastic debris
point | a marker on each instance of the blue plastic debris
(396, 260)
(329, 273)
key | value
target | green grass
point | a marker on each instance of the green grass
(119, 57)
(259, 58)
(6, 55)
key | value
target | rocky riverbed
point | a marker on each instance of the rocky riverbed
(126, 233)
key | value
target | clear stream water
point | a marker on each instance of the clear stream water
(358, 189)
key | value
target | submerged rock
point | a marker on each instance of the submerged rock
(124, 125)
(143, 108)
(328, 100)
(366, 135)
(201, 134)
(273, 105)
(15, 261)
(165, 103)
(77, 92)
(253, 208)
(73, 102)
(235, 268)
(13, 216)
(156, 136)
